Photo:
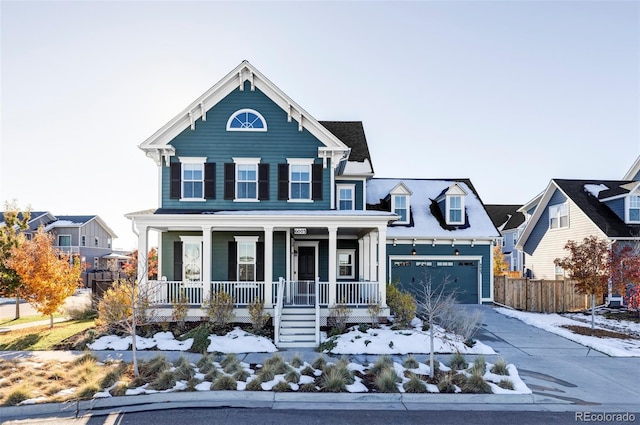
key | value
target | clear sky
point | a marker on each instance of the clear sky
(507, 93)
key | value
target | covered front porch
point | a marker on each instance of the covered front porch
(286, 259)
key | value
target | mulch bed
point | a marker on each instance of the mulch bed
(600, 333)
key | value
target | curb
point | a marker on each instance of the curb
(271, 400)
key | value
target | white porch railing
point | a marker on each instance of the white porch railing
(301, 293)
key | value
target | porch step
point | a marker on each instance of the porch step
(297, 328)
(297, 344)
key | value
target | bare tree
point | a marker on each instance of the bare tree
(433, 302)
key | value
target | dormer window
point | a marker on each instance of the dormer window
(400, 206)
(246, 120)
(454, 205)
(634, 209)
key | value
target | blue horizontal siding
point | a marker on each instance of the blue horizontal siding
(542, 226)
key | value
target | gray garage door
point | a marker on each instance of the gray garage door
(461, 275)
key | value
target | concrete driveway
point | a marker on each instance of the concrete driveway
(559, 371)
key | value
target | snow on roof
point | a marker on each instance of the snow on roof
(61, 223)
(595, 189)
(358, 167)
(425, 224)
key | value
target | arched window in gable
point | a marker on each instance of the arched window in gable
(246, 120)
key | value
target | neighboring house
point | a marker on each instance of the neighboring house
(575, 209)
(510, 222)
(86, 236)
(261, 200)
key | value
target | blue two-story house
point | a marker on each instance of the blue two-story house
(259, 199)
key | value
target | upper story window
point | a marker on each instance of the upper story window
(246, 178)
(300, 180)
(400, 206)
(346, 195)
(192, 179)
(83, 240)
(454, 209)
(634, 209)
(515, 238)
(559, 216)
(246, 120)
(96, 241)
(64, 240)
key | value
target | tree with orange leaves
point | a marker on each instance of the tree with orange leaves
(131, 266)
(48, 276)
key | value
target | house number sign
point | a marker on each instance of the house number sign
(299, 231)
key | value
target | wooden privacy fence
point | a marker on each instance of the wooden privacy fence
(541, 296)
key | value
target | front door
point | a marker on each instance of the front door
(304, 288)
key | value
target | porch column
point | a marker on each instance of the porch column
(333, 253)
(373, 256)
(365, 264)
(143, 252)
(382, 264)
(361, 258)
(206, 262)
(268, 266)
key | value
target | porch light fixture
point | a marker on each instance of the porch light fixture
(456, 252)
(413, 251)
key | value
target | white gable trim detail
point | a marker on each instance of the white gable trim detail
(157, 146)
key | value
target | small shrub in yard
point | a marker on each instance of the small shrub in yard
(308, 371)
(110, 378)
(192, 383)
(383, 362)
(445, 385)
(292, 376)
(342, 369)
(338, 317)
(86, 357)
(233, 368)
(277, 364)
(401, 304)
(17, 396)
(241, 375)
(319, 363)
(506, 384)
(181, 362)
(180, 308)
(229, 358)
(308, 388)
(212, 375)
(459, 379)
(224, 383)
(500, 368)
(374, 309)
(154, 367)
(414, 385)
(85, 312)
(476, 385)
(281, 387)
(296, 361)
(184, 372)
(410, 362)
(254, 385)
(165, 380)
(258, 317)
(266, 374)
(200, 337)
(218, 310)
(458, 362)
(333, 381)
(363, 327)
(204, 361)
(479, 366)
(387, 381)
(119, 390)
(87, 391)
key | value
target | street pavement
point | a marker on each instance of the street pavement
(564, 377)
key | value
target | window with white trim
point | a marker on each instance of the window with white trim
(246, 258)
(514, 261)
(191, 258)
(346, 195)
(246, 120)
(192, 180)
(83, 240)
(634, 209)
(400, 206)
(300, 179)
(559, 216)
(346, 264)
(64, 240)
(454, 210)
(246, 178)
(515, 238)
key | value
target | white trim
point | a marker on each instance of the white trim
(448, 208)
(627, 208)
(242, 111)
(191, 240)
(64, 234)
(300, 161)
(246, 161)
(296, 245)
(557, 208)
(192, 159)
(247, 240)
(308, 162)
(407, 207)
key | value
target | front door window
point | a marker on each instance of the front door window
(192, 261)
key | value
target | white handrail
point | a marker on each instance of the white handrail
(317, 305)
(278, 311)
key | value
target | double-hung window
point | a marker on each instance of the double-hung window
(246, 259)
(247, 181)
(300, 179)
(558, 216)
(192, 178)
(634, 209)
(399, 206)
(346, 196)
(455, 209)
(346, 264)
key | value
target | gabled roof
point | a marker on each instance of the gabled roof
(425, 223)
(79, 221)
(157, 146)
(582, 194)
(505, 217)
(633, 171)
(351, 133)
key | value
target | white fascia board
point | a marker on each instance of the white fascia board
(635, 168)
(535, 201)
(243, 72)
(105, 227)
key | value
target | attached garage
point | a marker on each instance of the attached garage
(461, 273)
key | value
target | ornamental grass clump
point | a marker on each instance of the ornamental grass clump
(308, 388)
(151, 369)
(277, 364)
(228, 359)
(308, 371)
(333, 381)
(281, 387)
(255, 384)
(383, 362)
(165, 381)
(479, 366)
(500, 368)
(414, 385)
(241, 375)
(387, 381)
(17, 396)
(184, 372)
(233, 367)
(445, 385)
(410, 362)
(296, 361)
(319, 363)
(292, 376)
(212, 375)
(458, 362)
(224, 383)
(506, 384)
(476, 384)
